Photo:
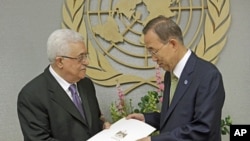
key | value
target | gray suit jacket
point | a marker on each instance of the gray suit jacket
(195, 111)
(47, 113)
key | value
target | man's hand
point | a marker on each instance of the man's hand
(137, 116)
(106, 125)
(145, 139)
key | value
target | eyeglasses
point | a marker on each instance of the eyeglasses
(154, 52)
(80, 58)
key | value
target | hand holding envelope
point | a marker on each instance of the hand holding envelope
(125, 130)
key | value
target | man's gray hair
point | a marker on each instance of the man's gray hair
(58, 43)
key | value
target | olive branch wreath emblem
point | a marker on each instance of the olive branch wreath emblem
(210, 45)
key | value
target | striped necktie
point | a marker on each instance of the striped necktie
(76, 99)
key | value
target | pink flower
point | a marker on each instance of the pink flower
(121, 104)
(161, 99)
(159, 83)
(119, 91)
(159, 79)
(161, 87)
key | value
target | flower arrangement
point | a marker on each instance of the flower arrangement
(149, 103)
(121, 108)
(152, 101)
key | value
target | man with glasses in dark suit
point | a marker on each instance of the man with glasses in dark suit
(194, 93)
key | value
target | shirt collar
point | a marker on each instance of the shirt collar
(64, 84)
(181, 64)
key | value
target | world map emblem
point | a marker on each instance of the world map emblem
(113, 34)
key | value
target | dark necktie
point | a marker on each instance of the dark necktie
(76, 99)
(174, 82)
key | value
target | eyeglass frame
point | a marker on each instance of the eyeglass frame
(79, 58)
(153, 53)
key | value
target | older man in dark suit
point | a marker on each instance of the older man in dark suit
(194, 92)
(47, 108)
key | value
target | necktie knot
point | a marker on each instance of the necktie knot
(173, 77)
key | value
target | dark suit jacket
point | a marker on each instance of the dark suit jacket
(47, 113)
(195, 111)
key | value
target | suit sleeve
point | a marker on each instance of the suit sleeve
(153, 119)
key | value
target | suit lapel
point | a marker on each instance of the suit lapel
(165, 104)
(183, 83)
(58, 95)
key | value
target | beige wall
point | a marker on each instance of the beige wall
(26, 24)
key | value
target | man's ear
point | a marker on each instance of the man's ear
(59, 62)
(174, 43)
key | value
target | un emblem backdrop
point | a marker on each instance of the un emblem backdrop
(112, 31)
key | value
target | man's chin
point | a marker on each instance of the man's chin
(164, 68)
(161, 66)
(82, 76)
